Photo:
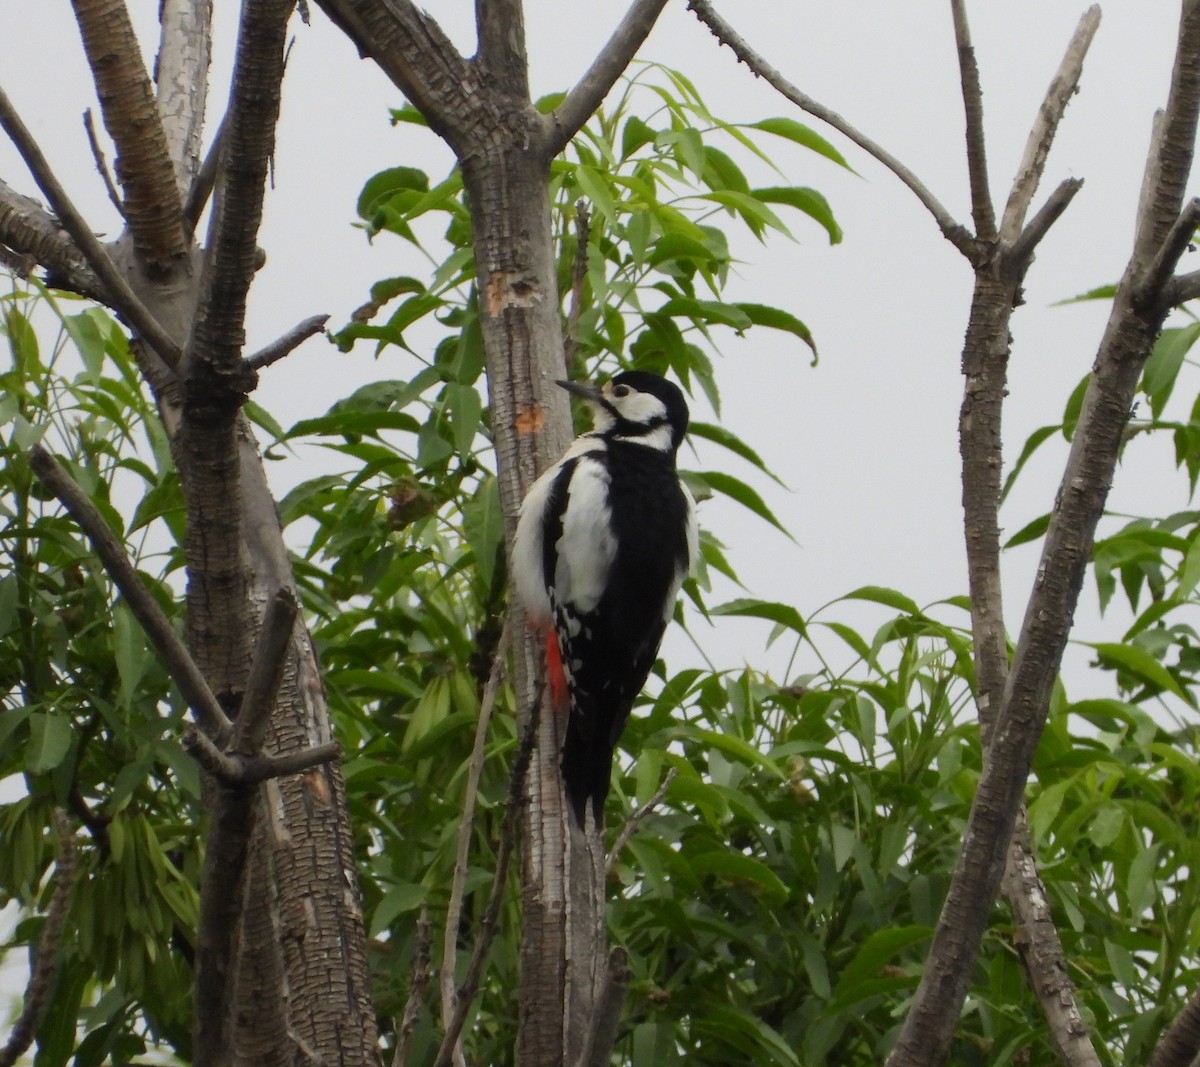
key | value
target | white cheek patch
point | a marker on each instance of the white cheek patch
(639, 407)
(659, 438)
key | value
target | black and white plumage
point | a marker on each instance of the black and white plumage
(604, 542)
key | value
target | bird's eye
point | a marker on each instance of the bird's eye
(621, 390)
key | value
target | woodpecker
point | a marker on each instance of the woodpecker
(604, 541)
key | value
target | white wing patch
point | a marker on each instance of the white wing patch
(528, 579)
(586, 550)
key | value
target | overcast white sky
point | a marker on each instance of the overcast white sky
(867, 441)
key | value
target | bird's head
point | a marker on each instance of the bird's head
(636, 406)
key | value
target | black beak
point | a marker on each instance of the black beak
(583, 389)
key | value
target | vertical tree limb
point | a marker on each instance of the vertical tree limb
(181, 77)
(981, 198)
(143, 164)
(925, 1037)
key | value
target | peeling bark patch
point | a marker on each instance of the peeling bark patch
(529, 419)
(511, 289)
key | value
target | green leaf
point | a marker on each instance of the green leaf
(49, 741)
(483, 524)
(888, 597)
(781, 614)
(778, 319)
(1162, 368)
(466, 416)
(738, 490)
(809, 201)
(879, 950)
(396, 902)
(598, 191)
(1031, 531)
(735, 866)
(1142, 665)
(1103, 292)
(1032, 443)
(800, 134)
(729, 440)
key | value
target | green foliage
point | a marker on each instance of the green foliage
(88, 717)
(777, 903)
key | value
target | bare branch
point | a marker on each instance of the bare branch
(32, 237)
(102, 163)
(928, 1029)
(201, 188)
(242, 772)
(170, 649)
(143, 163)
(1179, 1046)
(578, 277)
(218, 335)
(262, 687)
(1062, 87)
(459, 880)
(418, 980)
(1154, 285)
(181, 77)
(981, 197)
(609, 1006)
(488, 925)
(123, 300)
(1182, 288)
(286, 344)
(45, 959)
(1021, 250)
(414, 52)
(634, 820)
(1040, 948)
(612, 61)
(957, 234)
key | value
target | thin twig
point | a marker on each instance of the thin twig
(46, 957)
(101, 163)
(465, 826)
(955, 232)
(266, 673)
(418, 981)
(488, 926)
(1037, 148)
(204, 182)
(1182, 288)
(284, 345)
(583, 229)
(1021, 250)
(123, 299)
(175, 657)
(981, 197)
(634, 820)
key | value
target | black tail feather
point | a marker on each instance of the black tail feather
(586, 771)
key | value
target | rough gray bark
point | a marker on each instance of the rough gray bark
(482, 108)
(299, 969)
